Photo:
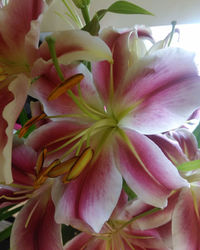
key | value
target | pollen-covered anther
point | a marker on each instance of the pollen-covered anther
(40, 161)
(64, 86)
(62, 168)
(80, 164)
(31, 122)
(43, 174)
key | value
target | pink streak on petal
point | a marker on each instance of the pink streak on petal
(17, 16)
(77, 242)
(92, 197)
(185, 225)
(168, 90)
(100, 192)
(154, 183)
(42, 232)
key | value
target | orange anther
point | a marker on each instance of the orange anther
(29, 123)
(40, 161)
(43, 175)
(64, 86)
(80, 164)
(62, 168)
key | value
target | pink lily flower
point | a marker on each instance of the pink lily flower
(181, 147)
(140, 93)
(127, 229)
(19, 52)
(19, 37)
(37, 215)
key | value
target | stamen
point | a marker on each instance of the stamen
(79, 165)
(43, 175)
(64, 86)
(29, 123)
(31, 213)
(40, 161)
(62, 168)
(13, 198)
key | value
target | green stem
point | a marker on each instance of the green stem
(86, 15)
(51, 44)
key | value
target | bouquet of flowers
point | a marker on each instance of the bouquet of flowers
(95, 151)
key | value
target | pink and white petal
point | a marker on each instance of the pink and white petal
(41, 231)
(159, 218)
(185, 224)
(147, 171)
(101, 191)
(187, 142)
(167, 91)
(47, 135)
(78, 242)
(64, 104)
(123, 199)
(93, 196)
(11, 106)
(80, 46)
(23, 156)
(170, 148)
(18, 24)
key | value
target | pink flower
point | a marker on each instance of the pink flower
(140, 93)
(19, 37)
(181, 147)
(133, 225)
(37, 215)
(20, 58)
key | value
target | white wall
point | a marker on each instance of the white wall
(183, 11)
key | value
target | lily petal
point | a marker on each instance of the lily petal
(147, 171)
(80, 46)
(93, 196)
(166, 90)
(35, 228)
(11, 107)
(18, 24)
(64, 104)
(185, 224)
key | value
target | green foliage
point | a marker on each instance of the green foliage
(81, 3)
(197, 134)
(5, 234)
(125, 7)
(6, 213)
(189, 166)
(93, 26)
(129, 192)
(119, 7)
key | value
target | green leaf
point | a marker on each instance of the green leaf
(93, 26)
(5, 234)
(197, 134)
(189, 165)
(23, 118)
(125, 7)
(129, 192)
(7, 214)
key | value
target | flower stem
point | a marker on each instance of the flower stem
(51, 44)
(86, 15)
